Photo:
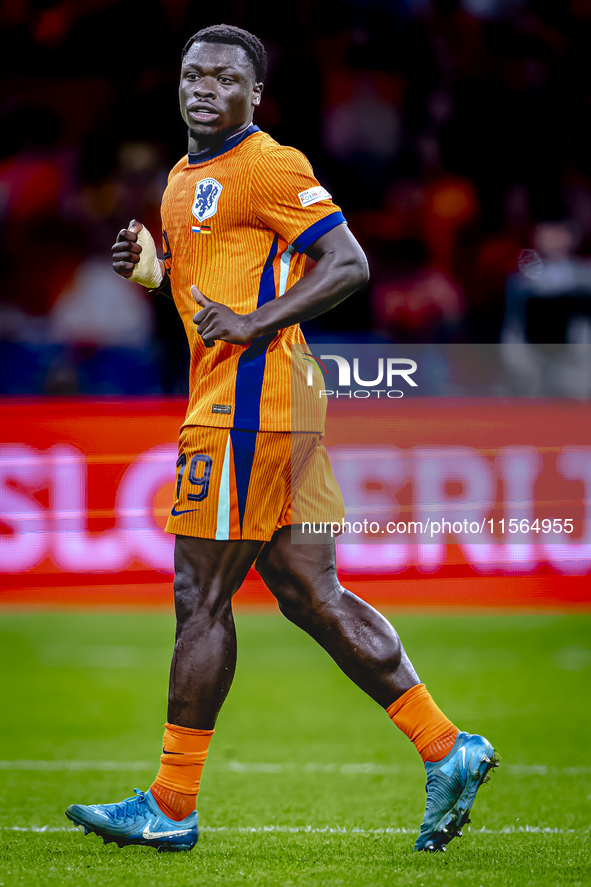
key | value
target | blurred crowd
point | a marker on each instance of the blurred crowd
(453, 133)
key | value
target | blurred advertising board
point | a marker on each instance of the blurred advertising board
(476, 501)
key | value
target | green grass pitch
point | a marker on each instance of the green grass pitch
(307, 782)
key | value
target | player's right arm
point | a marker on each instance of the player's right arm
(341, 269)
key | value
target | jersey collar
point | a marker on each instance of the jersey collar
(229, 143)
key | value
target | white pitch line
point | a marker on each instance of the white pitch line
(402, 830)
(41, 829)
(354, 769)
(310, 767)
(227, 766)
(76, 765)
(325, 830)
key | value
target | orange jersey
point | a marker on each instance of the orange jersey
(236, 225)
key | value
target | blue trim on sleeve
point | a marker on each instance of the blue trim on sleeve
(322, 226)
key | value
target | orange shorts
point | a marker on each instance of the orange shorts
(233, 484)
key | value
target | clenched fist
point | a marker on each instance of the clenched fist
(135, 257)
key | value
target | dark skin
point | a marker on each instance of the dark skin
(304, 581)
(218, 93)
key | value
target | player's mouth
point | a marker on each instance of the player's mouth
(202, 114)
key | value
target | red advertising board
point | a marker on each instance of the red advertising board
(471, 500)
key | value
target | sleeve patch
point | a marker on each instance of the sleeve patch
(313, 195)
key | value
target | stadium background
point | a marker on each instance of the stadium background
(454, 134)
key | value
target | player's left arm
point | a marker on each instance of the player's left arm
(341, 269)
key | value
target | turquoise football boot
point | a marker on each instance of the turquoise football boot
(136, 820)
(451, 787)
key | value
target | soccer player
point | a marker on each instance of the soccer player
(240, 215)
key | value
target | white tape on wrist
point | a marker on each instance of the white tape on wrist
(149, 270)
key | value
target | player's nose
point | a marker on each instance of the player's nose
(204, 88)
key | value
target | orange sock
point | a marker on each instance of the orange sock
(424, 723)
(176, 786)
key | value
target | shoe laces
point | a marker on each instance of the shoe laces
(127, 809)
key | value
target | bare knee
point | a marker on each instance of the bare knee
(299, 611)
(198, 601)
(299, 597)
(331, 614)
(207, 573)
(281, 586)
(311, 598)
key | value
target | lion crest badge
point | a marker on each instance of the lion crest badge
(207, 194)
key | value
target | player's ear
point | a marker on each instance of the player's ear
(257, 91)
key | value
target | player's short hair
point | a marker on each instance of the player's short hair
(235, 37)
